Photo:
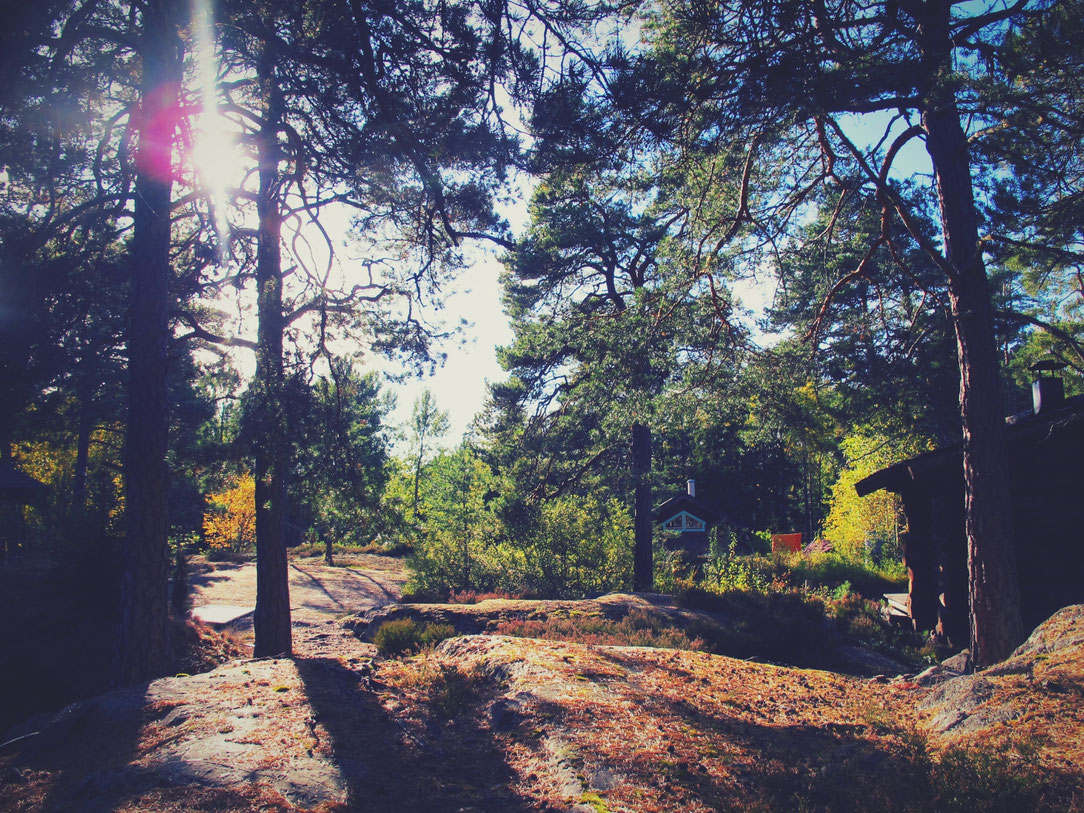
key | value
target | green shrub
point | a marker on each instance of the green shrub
(573, 548)
(727, 572)
(405, 635)
(868, 528)
(235, 557)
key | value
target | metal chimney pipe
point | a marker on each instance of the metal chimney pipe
(1046, 394)
(691, 485)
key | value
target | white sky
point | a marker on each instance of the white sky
(460, 385)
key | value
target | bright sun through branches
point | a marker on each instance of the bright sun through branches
(214, 154)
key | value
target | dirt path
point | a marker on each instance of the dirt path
(319, 597)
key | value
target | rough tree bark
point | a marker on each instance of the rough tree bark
(643, 566)
(143, 650)
(272, 617)
(996, 625)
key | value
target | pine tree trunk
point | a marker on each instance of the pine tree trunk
(7, 512)
(418, 473)
(179, 597)
(82, 449)
(643, 566)
(272, 617)
(996, 625)
(144, 648)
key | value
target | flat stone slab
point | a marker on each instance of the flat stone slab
(218, 615)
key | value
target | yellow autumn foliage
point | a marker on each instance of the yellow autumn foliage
(230, 521)
(854, 523)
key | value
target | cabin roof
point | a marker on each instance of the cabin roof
(1022, 432)
(18, 486)
(683, 502)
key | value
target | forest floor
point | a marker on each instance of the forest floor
(486, 722)
(320, 596)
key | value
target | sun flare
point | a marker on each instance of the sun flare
(214, 154)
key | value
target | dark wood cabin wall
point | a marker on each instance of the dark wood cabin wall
(950, 558)
(693, 542)
(1048, 510)
(1048, 500)
(918, 558)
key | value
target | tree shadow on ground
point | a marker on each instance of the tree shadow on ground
(336, 605)
(57, 636)
(388, 596)
(391, 765)
(206, 576)
(82, 754)
(866, 761)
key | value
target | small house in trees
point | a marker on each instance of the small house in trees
(17, 487)
(1046, 450)
(690, 518)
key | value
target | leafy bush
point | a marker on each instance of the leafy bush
(575, 547)
(828, 585)
(821, 574)
(227, 555)
(405, 635)
(391, 548)
(457, 545)
(582, 546)
(723, 573)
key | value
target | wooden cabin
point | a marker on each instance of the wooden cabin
(690, 518)
(1046, 459)
(17, 487)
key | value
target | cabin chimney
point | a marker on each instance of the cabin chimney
(1046, 393)
(691, 485)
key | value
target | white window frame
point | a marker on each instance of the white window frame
(684, 521)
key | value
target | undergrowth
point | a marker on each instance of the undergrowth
(635, 629)
(446, 689)
(904, 772)
(474, 596)
(405, 635)
(969, 779)
(779, 603)
(396, 548)
(450, 691)
(451, 596)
